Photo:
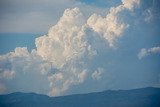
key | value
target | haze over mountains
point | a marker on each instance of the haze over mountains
(144, 97)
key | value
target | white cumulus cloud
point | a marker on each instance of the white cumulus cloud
(68, 54)
(129, 4)
(110, 26)
(145, 52)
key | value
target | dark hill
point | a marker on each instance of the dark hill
(144, 97)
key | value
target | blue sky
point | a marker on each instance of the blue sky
(86, 49)
(13, 40)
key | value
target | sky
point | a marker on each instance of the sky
(68, 47)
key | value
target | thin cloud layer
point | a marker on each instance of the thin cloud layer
(67, 55)
(42, 13)
(2, 88)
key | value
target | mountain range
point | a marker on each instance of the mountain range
(143, 97)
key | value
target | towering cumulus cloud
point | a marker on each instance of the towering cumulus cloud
(67, 55)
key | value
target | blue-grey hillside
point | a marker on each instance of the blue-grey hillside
(144, 97)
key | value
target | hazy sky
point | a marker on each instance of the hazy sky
(61, 47)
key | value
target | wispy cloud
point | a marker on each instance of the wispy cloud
(97, 74)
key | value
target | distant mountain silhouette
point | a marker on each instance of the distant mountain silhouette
(144, 97)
